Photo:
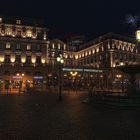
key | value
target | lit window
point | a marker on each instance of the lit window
(0, 19)
(76, 56)
(64, 46)
(102, 48)
(59, 46)
(28, 47)
(65, 55)
(89, 52)
(53, 45)
(18, 21)
(45, 36)
(8, 45)
(8, 31)
(29, 33)
(100, 57)
(53, 54)
(97, 49)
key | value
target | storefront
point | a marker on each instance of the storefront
(15, 84)
(39, 83)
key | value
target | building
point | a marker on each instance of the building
(28, 59)
(108, 51)
(75, 41)
(105, 53)
(23, 47)
(95, 61)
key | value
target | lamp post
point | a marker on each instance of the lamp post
(60, 61)
(20, 82)
(138, 35)
(120, 78)
(74, 84)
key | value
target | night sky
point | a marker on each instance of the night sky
(76, 17)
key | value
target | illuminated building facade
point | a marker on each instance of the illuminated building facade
(103, 53)
(108, 51)
(28, 59)
(23, 50)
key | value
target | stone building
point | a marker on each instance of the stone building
(23, 47)
(28, 59)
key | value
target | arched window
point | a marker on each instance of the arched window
(29, 33)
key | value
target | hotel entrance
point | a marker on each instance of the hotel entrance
(13, 86)
(17, 83)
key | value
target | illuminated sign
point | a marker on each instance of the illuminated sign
(17, 77)
(82, 70)
(38, 77)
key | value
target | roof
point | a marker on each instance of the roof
(108, 36)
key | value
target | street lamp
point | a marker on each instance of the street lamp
(138, 35)
(60, 61)
(74, 74)
(20, 82)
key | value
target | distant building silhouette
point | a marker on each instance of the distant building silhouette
(75, 41)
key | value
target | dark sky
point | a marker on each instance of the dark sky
(87, 17)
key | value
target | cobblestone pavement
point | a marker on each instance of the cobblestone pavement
(43, 117)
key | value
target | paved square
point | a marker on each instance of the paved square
(43, 117)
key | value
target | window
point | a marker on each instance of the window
(0, 19)
(18, 59)
(8, 45)
(47, 46)
(29, 33)
(28, 60)
(18, 33)
(7, 59)
(45, 36)
(64, 46)
(8, 31)
(53, 46)
(53, 54)
(18, 47)
(28, 47)
(38, 59)
(100, 57)
(59, 46)
(49, 54)
(38, 48)
(18, 21)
